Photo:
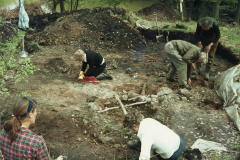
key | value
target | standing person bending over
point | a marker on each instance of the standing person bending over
(154, 137)
(96, 64)
(183, 55)
(208, 35)
(16, 140)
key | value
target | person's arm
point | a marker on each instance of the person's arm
(84, 66)
(189, 56)
(90, 69)
(217, 33)
(42, 151)
(146, 144)
(198, 30)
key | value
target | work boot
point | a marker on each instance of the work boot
(136, 145)
(101, 76)
(207, 70)
(198, 69)
(185, 86)
(104, 76)
(172, 80)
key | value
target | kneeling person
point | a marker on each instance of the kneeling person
(154, 137)
(96, 64)
(183, 55)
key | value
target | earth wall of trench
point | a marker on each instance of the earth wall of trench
(222, 50)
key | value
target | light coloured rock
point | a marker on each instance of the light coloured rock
(131, 94)
(185, 92)
(124, 97)
(144, 24)
(93, 106)
(184, 99)
(141, 98)
(164, 91)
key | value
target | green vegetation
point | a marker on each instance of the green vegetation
(12, 67)
(237, 147)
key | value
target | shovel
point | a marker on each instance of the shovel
(159, 37)
(23, 53)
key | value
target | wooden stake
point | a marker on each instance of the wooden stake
(119, 101)
(143, 89)
(108, 109)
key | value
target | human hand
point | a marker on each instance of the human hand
(189, 81)
(200, 45)
(192, 66)
(209, 47)
(59, 158)
(81, 73)
(81, 77)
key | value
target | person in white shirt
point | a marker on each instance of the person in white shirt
(154, 138)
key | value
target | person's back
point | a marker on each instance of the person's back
(26, 145)
(183, 46)
(162, 139)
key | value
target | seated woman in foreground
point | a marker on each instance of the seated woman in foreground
(16, 139)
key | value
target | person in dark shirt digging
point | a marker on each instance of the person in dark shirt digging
(208, 35)
(96, 64)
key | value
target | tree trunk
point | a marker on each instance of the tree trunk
(189, 9)
(62, 6)
(169, 3)
(76, 6)
(185, 11)
(54, 6)
(237, 12)
(215, 10)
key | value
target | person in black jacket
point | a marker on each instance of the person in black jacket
(207, 36)
(96, 64)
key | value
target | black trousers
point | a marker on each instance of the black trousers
(98, 70)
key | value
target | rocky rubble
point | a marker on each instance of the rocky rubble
(180, 110)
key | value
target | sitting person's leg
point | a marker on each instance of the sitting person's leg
(101, 73)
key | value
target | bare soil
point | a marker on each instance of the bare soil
(66, 121)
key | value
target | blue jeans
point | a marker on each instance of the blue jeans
(176, 154)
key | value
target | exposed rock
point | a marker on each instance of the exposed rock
(184, 99)
(93, 106)
(129, 71)
(164, 90)
(161, 79)
(143, 24)
(124, 97)
(91, 99)
(185, 92)
(131, 94)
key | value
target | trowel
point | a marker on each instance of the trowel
(23, 53)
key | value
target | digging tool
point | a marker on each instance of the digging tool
(23, 53)
(92, 81)
(159, 36)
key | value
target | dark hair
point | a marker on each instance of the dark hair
(132, 118)
(206, 22)
(20, 111)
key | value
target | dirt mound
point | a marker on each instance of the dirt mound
(163, 13)
(32, 9)
(100, 28)
(7, 31)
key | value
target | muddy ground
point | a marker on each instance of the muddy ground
(69, 118)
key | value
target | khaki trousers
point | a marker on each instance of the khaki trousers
(177, 64)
